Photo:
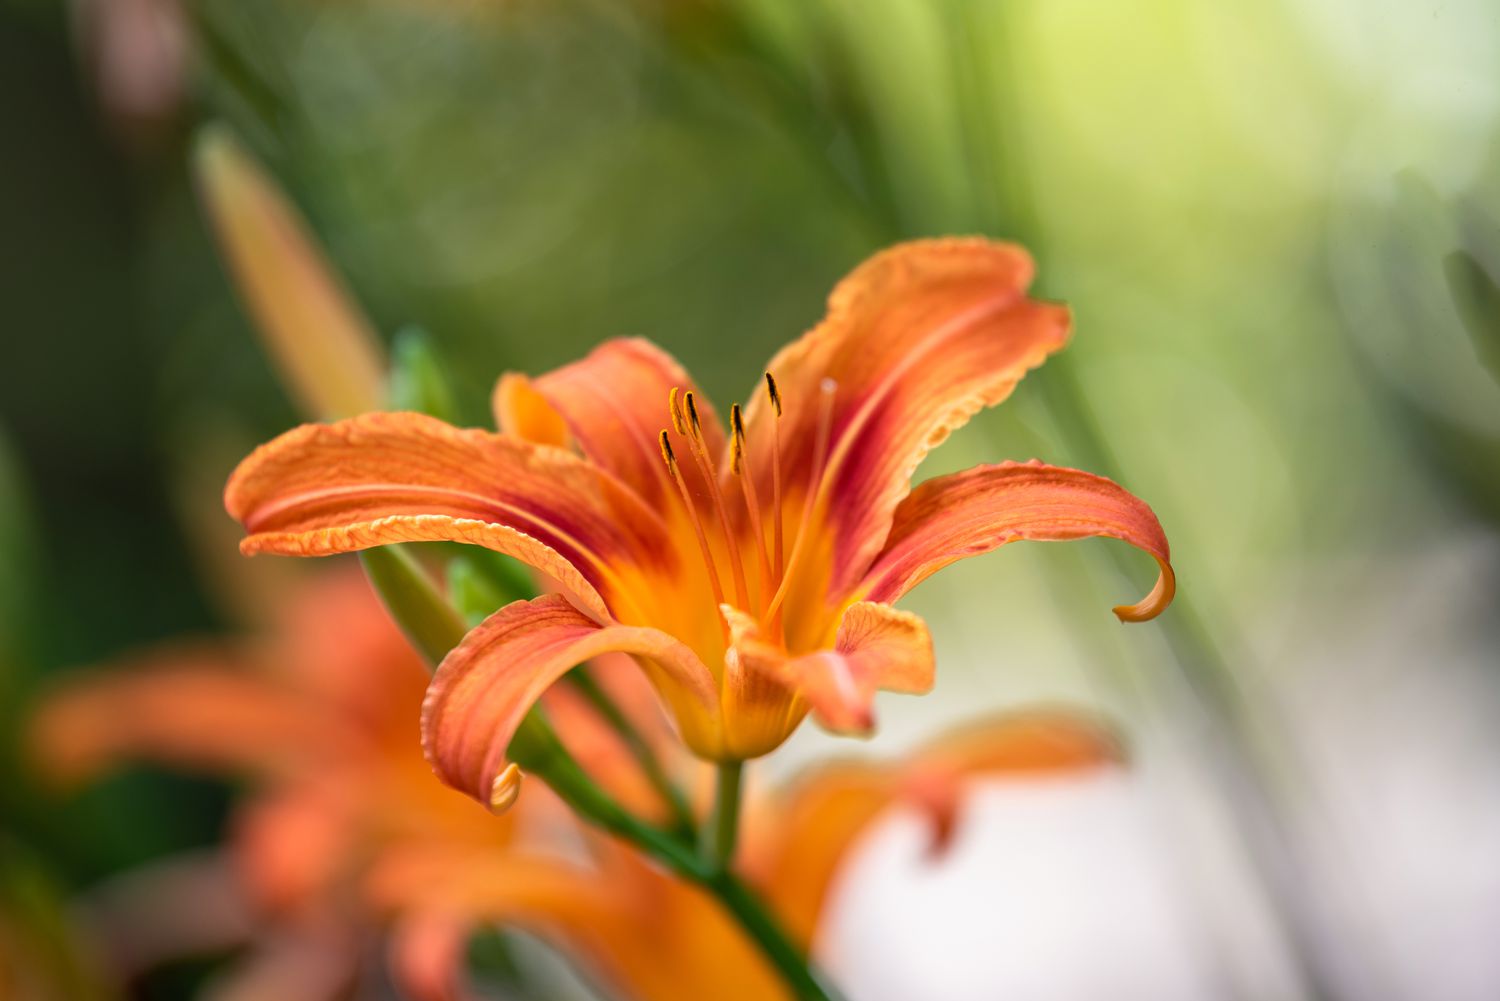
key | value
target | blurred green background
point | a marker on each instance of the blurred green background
(1278, 225)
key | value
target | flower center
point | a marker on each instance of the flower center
(769, 547)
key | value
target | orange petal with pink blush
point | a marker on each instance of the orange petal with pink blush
(191, 707)
(484, 688)
(916, 340)
(613, 403)
(878, 647)
(385, 478)
(952, 517)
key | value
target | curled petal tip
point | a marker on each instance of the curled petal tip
(506, 788)
(938, 795)
(1154, 603)
(855, 719)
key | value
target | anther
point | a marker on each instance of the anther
(666, 452)
(674, 405)
(692, 413)
(772, 393)
(737, 440)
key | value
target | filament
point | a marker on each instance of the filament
(826, 392)
(752, 502)
(700, 453)
(692, 513)
(776, 546)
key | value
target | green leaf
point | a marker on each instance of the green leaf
(419, 379)
(474, 593)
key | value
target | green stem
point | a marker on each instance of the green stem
(723, 825)
(538, 750)
(431, 623)
(640, 749)
(545, 756)
(799, 974)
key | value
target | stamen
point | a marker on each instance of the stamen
(700, 452)
(737, 437)
(667, 455)
(776, 546)
(826, 391)
(692, 512)
(752, 502)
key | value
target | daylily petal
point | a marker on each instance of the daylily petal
(523, 412)
(972, 512)
(384, 478)
(916, 340)
(184, 706)
(293, 843)
(614, 404)
(483, 689)
(878, 647)
(795, 861)
(428, 954)
(761, 707)
(341, 649)
(793, 864)
(1034, 742)
(1019, 742)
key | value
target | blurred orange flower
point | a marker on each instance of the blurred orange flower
(319, 718)
(647, 936)
(750, 572)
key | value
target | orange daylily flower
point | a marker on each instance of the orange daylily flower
(749, 572)
(317, 717)
(648, 936)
